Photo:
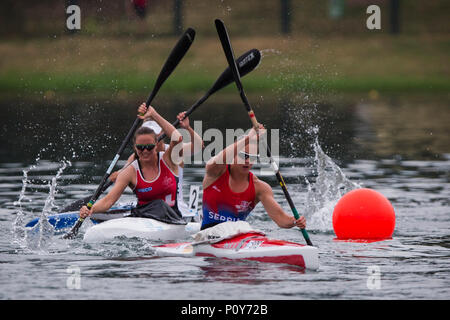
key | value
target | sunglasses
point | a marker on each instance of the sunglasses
(244, 155)
(142, 147)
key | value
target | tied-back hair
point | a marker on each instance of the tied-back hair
(139, 132)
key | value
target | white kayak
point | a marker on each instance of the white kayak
(146, 228)
(247, 246)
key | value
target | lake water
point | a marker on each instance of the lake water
(399, 146)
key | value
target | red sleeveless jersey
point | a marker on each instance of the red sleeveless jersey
(221, 204)
(163, 187)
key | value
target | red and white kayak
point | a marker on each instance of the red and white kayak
(248, 246)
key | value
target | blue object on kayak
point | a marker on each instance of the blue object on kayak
(58, 221)
(68, 219)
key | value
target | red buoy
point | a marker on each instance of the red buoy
(363, 214)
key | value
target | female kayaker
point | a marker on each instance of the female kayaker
(231, 191)
(193, 146)
(153, 176)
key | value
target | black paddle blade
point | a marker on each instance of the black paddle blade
(228, 50)
(177, 53)
(74, 231)
(245, 63)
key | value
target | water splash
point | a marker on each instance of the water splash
(323, 194)
(18, 228)
(39, 236)
(268, 52)
(46, 230)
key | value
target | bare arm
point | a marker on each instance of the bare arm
(264, 194)
(114, 175)
(172, 156)
(217, 165)
(195, 143)
(166, 126)
(104, 204)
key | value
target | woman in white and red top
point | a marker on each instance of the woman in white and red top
(153, 176)
(190, 147)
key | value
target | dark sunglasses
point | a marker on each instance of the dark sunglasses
(142, 147)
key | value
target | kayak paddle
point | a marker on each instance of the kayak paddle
(177, 53)
(228, 50)
(246, 62)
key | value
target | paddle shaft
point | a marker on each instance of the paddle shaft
(228, 50)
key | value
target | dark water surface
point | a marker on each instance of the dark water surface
(55, 152)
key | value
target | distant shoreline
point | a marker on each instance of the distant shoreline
(71, 65)
(33, 83)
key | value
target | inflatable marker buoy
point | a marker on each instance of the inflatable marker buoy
(363, 214)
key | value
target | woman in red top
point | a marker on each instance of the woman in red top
(231, 191)
(153, 176)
